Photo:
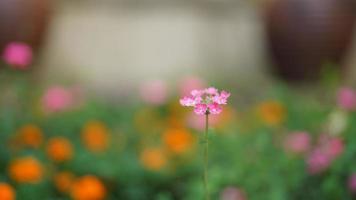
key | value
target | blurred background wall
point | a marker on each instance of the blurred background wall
(112, 45)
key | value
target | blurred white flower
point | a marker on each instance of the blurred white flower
(337, 122)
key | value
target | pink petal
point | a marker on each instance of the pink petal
(214, 108)
(224, 94)
(222, 98)
(200, 109)
(187, 101)
(219, 100)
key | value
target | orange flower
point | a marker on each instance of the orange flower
(88, 188)
(59, 149)
(26, 170)
(95, 136)
(153, 158)
(178, 140)
(30, 135)
(272, 112)
(6, 192)
(63, 181)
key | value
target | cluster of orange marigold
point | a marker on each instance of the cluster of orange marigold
(28, 169)
(175, 141)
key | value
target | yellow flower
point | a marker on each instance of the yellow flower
(88, 188)
(153, 158)
(26, 170)
(95, 136)
(59, 149)
(272, 112)
(6, 192)
(63, 181)
(178, 140)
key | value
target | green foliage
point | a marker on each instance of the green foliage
(245, 153)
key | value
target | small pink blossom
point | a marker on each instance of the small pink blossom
(222, 98)
(317, 161)
(57, 99)
(206, 101)
(232, 193)
(334, 147)
(297, 142)
(18, 55)
(346, 98)
(214, 108)
(352, 183)
(187, 101)
(327, 150)
(200, 109)
(154, 92)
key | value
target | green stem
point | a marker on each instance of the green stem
(206, 156)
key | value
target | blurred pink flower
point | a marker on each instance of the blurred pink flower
(334, 147)
(232, 193)
(297, 142)
(190, 83)
(326, 151)
(317, 161)
(18, 55)
(206, 101)
(346, 98)
(154, 92)
(57, 98)
(352, 183)
(200, 109)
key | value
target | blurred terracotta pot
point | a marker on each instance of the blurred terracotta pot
(23, 20)
(304, 35)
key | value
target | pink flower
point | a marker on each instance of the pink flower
(326, 151)
(187, 101)
(222, 98)
(297, 142)
(18, 55)
(200, 109)
(346, 98)
(214, 108)
(206, 101)
(317, 161)
(189, 83)
(232, 193)
(352, 183)
(57, 99)
(154, 92)
(334, 147)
